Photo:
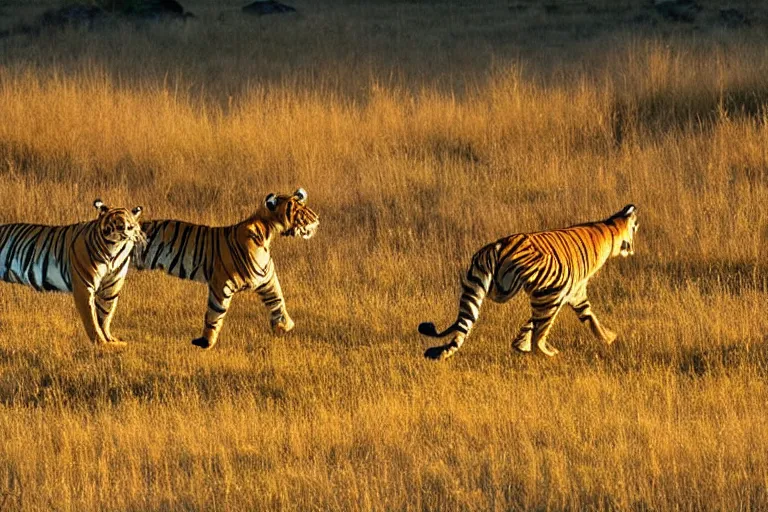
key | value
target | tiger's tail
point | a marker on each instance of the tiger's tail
(442, 351)
(475, 285)
(428, 329)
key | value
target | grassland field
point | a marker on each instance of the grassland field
(421, 131)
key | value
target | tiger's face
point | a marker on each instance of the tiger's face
(292, 214)
(119, 225)
(627, 224)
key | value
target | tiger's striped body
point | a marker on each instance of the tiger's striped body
(195, 251)
(88, 259)
(552, 267)
(230, 259)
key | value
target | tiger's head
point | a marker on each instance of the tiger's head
(291, 215)
(119, 225)
(626, 223)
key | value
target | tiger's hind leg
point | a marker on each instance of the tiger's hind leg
(544, 312)
(523, 339)
(584, 311)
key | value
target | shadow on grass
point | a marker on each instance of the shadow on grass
(692, 361)
(685, 110)
(713, 276)
(585, 355)
(25, 161)
(698, 361)
(28, 380)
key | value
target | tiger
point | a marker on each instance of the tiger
(552, 267)
(230, 259)
(88, 259)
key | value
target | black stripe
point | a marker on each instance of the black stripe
(216, 308)
(180, 253)
(47, 249)
(162, 244)
(239, 261)
(217, 246)
(195, 249)
(202, 246)
(580, 245)
(61, 258)
(17, 238)
(580, 308)
(544, 292)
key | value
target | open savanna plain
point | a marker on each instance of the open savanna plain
(421, 131)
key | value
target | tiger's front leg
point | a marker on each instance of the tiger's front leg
(544, 312)
(583, 309)
(105, 301)
(219, 300)
(523, 339)
(272, 297)
(85, 304)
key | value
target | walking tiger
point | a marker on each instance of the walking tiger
(552, 267)
(230, 259)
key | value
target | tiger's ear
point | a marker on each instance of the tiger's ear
(300, 194)
(627, 210)
(99, 205)
(271, 202)
(137, 211)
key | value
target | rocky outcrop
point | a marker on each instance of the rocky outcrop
(155, 10)
(74, 15)
(92, 16)
(677, 10)
(262, 7)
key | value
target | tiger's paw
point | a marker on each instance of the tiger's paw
(202, 343)
(283, 326)
(441, 352)
(609, 337)
(523, 342)
(428, 329)
(547, 349)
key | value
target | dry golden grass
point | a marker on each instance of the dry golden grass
(418, 139)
